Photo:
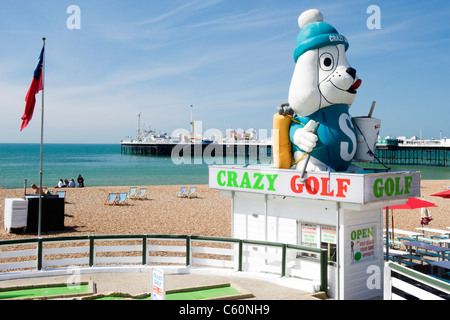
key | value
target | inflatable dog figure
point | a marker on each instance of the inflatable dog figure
(322, 89)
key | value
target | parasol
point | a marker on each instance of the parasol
(443, 194)
(412, 203)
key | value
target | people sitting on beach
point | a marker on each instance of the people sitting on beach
(61, 184)
(71, 184)
(80, 181)
(36, 189)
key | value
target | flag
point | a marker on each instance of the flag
(37, 84)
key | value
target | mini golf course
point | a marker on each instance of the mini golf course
(85, 291)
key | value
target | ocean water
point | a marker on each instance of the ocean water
(99, 164)
(104, 165)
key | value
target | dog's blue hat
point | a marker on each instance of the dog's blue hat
(316, 34)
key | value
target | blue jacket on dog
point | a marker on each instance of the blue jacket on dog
(336, 145)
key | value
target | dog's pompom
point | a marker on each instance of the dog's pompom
(309, 16)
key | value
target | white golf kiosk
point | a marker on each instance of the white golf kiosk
(342, 212)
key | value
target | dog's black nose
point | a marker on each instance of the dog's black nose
(351, 72)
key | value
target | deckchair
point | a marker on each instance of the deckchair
(142, 193)
(132, 192)
(191, 193)
(122, 198)
(111, 199)
(182, 192)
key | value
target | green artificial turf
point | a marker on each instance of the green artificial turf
(43, 291)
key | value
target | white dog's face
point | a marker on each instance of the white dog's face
(322, 77)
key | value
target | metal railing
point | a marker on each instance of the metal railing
(185, 250)
(412, 284)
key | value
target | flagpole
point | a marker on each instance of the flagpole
(42, 142)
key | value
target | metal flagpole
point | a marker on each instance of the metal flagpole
(42, 141)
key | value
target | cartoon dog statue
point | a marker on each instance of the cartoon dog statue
(322, 89)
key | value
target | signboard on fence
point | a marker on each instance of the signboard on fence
(158, 284)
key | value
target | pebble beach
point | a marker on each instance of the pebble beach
(162, 212)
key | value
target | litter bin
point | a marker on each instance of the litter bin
(52, 217)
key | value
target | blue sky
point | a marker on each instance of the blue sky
(232, 60)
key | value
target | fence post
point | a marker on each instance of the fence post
(387, 283)
(188, 251)
(144, 250)
(91, 251)
(283, 260)
(39, 254)
(324, 271)
(241, 247)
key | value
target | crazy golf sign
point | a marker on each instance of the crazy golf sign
(335, 186)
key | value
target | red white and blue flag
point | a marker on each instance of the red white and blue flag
(37, 84)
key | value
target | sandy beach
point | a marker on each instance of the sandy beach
(164, 213)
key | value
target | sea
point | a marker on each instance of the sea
(105, 165)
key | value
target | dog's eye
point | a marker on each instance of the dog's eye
(326, 62)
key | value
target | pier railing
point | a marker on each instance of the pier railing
(427, 156)
(165, 250)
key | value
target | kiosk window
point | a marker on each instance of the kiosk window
(331, 247)
(328, 237)
(309, 235)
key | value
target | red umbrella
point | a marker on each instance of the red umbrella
(443, 194)
(413, 203)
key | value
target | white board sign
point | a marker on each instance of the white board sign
(158, 284)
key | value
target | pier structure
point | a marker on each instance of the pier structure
(248, 150)
(388, 154)
(414, 155)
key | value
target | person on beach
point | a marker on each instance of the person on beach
(80, 181)
(61, 184)
(425, 216)
(71, 184)
(36, 189)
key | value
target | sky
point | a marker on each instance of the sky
(232, 60)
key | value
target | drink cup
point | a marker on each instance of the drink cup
(367, 130)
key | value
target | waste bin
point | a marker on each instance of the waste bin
(52, 217)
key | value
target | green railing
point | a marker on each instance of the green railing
(404, 284)
(143, 247)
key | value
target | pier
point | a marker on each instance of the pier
(252, 151)
(414, 155)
